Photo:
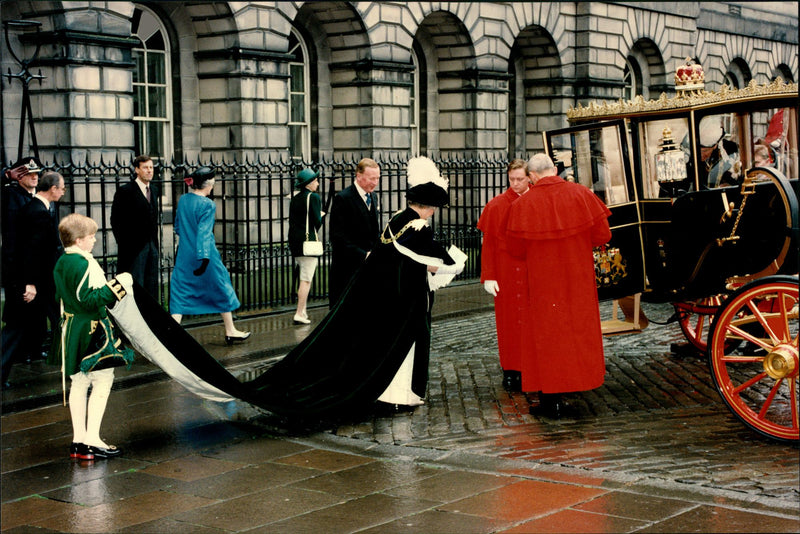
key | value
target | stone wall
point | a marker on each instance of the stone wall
(489, 67)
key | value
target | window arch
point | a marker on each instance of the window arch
(152, 93)
(419, 146)
(632, 79)
(299, 101)
(738, 75)
(784, 72)
(413, 119)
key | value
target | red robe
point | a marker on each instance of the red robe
(498, 264)
(554, 227)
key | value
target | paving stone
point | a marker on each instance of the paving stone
(657, 414)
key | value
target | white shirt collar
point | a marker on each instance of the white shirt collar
(143, 186)
(361, 192)
(44, 200)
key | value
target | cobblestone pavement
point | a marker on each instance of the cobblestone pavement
(657, 416)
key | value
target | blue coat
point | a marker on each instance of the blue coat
(211, 292)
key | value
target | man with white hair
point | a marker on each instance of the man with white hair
(554, 227)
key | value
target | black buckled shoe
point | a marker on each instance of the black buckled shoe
(103, 452)
(512, 381)
(79, 451)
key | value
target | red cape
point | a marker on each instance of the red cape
(554, 208)
(498, 264)
(554, 227)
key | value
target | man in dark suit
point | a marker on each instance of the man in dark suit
(354, 227)
(23, 177)
(30, 300)
(134, 221)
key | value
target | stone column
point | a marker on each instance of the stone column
(84, 107)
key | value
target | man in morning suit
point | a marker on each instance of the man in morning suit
(31, 298)
(134, 221)
(354, 227)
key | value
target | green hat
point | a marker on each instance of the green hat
(305, 177)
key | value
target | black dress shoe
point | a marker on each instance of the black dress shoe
(230, 340)
(552, 405)
(79, 451)
(103, 452)
(512, 380)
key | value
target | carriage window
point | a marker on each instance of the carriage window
(718, 144)
(773, 140)
(664, 157)
(593, 158)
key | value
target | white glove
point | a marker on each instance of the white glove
(126, 280)
(491, 287)
(450, 269)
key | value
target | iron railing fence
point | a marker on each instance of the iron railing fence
(252, 215)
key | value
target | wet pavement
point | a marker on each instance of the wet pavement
(653, 450)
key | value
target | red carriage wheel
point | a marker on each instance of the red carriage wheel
(694, 318)
(758, 379)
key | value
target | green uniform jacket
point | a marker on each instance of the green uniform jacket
(84, 311)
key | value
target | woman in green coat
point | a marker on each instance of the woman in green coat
(88, 350)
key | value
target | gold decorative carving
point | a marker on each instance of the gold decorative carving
(684, 99)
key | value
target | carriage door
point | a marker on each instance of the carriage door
(596, 156)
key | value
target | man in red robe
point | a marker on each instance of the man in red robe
(554, 227)
(503, 275)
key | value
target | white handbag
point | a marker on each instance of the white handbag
(311, 247)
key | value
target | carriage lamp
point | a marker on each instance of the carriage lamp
(670, 163)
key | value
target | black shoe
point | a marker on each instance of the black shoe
(79, 451)
(552, 405)
(230, 340)
(512, 380)
(102, 452)
(386, 409)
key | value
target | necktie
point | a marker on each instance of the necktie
(147, 193)
(369, 201)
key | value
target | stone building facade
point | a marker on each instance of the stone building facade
(322, 80)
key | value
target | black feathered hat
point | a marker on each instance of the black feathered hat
(425, 185)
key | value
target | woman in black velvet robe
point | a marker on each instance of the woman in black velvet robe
(352, 356)
(374, 343)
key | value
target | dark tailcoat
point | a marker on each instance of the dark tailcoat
(14, 198)
(354, 232)
(38, 247)
(36, 250)
(134, 222)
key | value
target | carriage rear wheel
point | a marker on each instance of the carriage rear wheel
(753, 356)
(694, 318)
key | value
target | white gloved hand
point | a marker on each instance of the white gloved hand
(126, 280)
(491, 287)
(450, 269)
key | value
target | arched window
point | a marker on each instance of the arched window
(413, 110)
(152, 99)
(784, 72)
(731, 80)
(738, 75)
(419, 146)
(299, 104)
(632, 80)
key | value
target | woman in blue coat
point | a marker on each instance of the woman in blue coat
(200, 283)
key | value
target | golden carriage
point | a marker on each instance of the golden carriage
(703, 192)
